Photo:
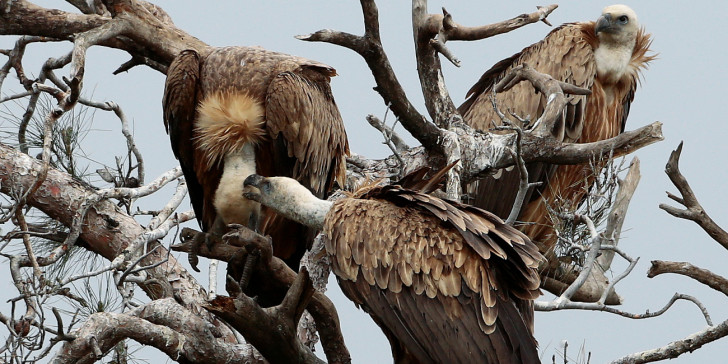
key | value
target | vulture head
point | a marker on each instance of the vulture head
(289, 198)
(617, 24)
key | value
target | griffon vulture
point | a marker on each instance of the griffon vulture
(606, 57)
(236, 111)
(446, 282)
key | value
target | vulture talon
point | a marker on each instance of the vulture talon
(196, 239)
(250, 262)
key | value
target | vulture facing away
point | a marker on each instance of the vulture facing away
(606, 57)
(235, 111)
(446, 282)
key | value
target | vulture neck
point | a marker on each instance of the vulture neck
(299, 204)
(613, 59)
(229, 201)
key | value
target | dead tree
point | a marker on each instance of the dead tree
(46, 201)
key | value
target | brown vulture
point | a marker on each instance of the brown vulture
(606, 57)
(235, 111)
(446, 282)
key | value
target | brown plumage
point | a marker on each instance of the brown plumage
(446, 282)
(608, 62)
(234, 111)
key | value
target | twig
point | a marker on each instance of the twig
(129, 139)
(595, 306)
(595, 244)
(398, 144)
(165, 212)
(154, 186)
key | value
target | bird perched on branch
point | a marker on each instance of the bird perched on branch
(446, 282)
(235, 111)
(605, 57)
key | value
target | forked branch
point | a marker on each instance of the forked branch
(693, 210)
(454, 31)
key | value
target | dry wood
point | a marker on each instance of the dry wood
(676, 348)
(164, 324)
(369, 46)
(618, 213)
(693, 210)
(271, 279)
(437, 23)
(701, 275)
(106, 231)
(282, 344)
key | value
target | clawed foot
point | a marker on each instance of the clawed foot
(255, 255)
(196, 239)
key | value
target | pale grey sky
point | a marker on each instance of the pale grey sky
(682, 89)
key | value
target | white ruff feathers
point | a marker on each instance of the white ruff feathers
(225, 123)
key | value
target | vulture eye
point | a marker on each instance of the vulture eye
(623, 19)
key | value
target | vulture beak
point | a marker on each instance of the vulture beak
(605, 24)
(251, 185)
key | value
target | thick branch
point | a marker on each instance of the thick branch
(272, 281)
(619, 211)
(484, 152)
(153, 36)
(106, 230)
(703, 276)
(437, 98)
(693, 210)
(676, 348)
(164, 324)
(370, 48)
(24, 18)
(458, 32)
(271, 330)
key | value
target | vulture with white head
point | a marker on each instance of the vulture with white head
(446, 282)
(605, 57)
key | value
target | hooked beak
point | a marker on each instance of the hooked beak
(604, 24)
(250, 187)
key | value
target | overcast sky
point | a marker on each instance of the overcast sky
(683, 89)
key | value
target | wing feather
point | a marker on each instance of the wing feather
(300, 110)
(447, 262)
(179, 104)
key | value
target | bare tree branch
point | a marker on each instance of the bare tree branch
(163, 324)
(679, 347)
(369, 46)
(106, 229)
(454, 31)
(390, 136)
(272, 279)
(254, 322)
(703, 276)
(693, 210)
(618, 213)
